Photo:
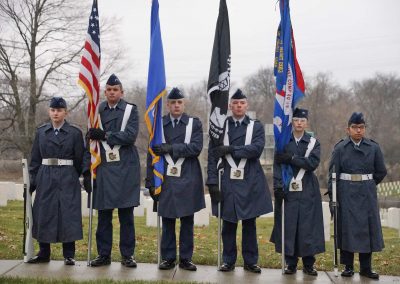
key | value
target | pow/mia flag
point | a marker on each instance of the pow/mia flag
(219, 76)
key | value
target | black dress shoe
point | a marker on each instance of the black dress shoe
(309, 270)
(252, 268)
(227, 267)
(69, 261)
(348, 271)
(101, 260)
(369, 273)
(129, 262)
(167, 265)
(187, 265)
(290, 269)
(39, 259)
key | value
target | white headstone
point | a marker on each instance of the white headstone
(202, 218)
(19, 191)
(151, 217)
(9, 188)
(208, 204)
(394, 218)
(384, 216)
(85, 205)
(327, 220)
(3, 198)
(139, 211)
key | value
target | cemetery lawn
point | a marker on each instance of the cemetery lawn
(11, 234)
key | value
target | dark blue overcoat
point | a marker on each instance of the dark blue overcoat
(57, 215)
(118, 183)
(250, 197)
(304, 224)
(359, 223)
(184, 195)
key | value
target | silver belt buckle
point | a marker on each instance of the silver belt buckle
(356, 177)
(53, 162)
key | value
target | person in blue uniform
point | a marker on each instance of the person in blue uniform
(304, 224)
(182, 191)
(359, 166)
(244, 191)
(118, 175)
(55, 167)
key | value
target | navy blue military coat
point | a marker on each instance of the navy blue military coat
(304, 224)
(250, 197)
(359, 224)
(184, 195)
(118, 183)
(57, 215)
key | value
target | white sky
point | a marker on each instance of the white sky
(352, 39)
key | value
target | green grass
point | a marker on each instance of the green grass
(205, 252)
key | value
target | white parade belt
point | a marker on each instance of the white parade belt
(356, 177)
(57, 162)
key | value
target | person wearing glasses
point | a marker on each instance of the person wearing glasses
(359, 166)
(304, 224)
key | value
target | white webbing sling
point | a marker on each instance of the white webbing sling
(174, 169)
(295, 183)
(115, 149)
(237, 171)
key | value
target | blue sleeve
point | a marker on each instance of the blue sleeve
(36, 158)
(255, 149)
(311, 162)
(193, 149)
(129, 135)
(212, 171)
(379, 165)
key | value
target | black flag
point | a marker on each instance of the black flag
(219, 77)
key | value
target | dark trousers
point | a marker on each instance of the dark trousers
(168, 239)
(104, 233)
(249, 242)
(68, 249)
(347, 258)
(308, 261)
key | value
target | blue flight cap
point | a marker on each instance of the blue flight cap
(113, 80)
(238, 95)
(175, 94)
(356, 118)
(58, 102)
(300, 113)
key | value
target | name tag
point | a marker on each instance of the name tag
(112, 155)
(295, 185)
(173, 171)
(237, 173)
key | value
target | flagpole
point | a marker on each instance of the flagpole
(283, 237)
(90, 196)
(219, 219)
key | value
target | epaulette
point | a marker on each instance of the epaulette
(341, 140)
(43, 125)
(373, 141)
(75, 126)
(130, 104)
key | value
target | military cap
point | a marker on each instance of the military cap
(238, 95)
(356, 118)
(113, 80)
(58, 102)
(175, 94)
(300, 113)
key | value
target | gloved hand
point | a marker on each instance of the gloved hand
(96, 134)
(331, 209)
(153, 196)
(32, 187)
(284, 158)
(279, 194)
(87, 183)
(162, 149)
(215, 194)
(223, 150)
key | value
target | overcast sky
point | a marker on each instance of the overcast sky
(352, 39)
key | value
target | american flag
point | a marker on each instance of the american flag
(89, 77)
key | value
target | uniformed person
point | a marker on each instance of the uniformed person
(118, 175)
(245, 194)
(55, 167)
(304, 224)
(359, 165)
(182, 191)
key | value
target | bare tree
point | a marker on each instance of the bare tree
(40, 49)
